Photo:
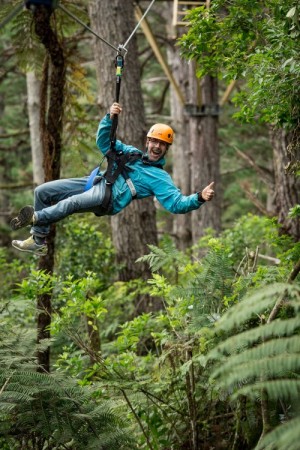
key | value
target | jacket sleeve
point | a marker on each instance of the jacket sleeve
(103, 138)
(170, 196)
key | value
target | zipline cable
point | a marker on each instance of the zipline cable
(10, 16)
(119, 49)
(135, 29)
(86, 27)
(119, 69)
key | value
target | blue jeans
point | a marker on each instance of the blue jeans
(55, 200)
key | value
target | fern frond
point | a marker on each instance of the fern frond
(268, 367)
(278, 328)
(57, 408)
(159, 257)
(269, 349)
(288, 389)
(257, 303)
(283, 437)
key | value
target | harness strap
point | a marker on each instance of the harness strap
(113, 159)
(131, 187)
(117, 166)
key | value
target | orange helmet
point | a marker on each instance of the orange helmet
(162, 132)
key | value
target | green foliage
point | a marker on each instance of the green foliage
(166, 257)
(89, 248)
(295, 212)
(10, 272)
(261, 357)
(37, 408)
(205, 358)
(259, 44)
(283, 437)
(79, 297)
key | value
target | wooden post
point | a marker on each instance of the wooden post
(160, 58)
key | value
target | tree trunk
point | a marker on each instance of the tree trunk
(205, 157)
(182, 224)
(135, 227)
(33, 105)
(51, 130)
(196, 160)
(286, 184)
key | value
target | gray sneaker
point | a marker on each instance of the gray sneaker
(25, 217)
(29, 245)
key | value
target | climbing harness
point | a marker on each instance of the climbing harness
(116, 161)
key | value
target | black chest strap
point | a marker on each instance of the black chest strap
(116, 165)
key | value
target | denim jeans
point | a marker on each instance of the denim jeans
(55, 200)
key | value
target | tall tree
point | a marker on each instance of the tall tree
(181, 152)
(205, 166)
(135, 227)
(196, 161)
(51, 123)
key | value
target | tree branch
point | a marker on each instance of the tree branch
(137, 419)
(265, 175)
(246, 188)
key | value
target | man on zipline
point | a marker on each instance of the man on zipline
(140, 175)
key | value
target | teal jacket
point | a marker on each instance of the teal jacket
(148, 180)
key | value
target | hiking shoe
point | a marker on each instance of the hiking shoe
(25, 217)
(29, 245)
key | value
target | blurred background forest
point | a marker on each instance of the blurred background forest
(149, 330)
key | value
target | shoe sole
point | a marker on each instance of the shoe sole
(37, 252)
(23, 218)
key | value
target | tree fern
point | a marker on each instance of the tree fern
(257, 303)
(165, 256)
(234, 376)
(288, 388)
(270, 350)
(208, 288)
(53, 407)
(283, 437)
(242, 340)
(263, 360)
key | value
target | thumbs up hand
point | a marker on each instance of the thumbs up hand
(208, 192)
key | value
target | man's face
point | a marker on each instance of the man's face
(156, 149)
